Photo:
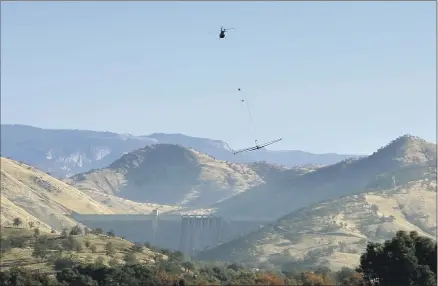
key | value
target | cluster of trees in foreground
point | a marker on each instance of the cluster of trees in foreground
(407, 259)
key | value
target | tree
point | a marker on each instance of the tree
(157, 257)
(110, 233)
(270, 279)
(77, 246)
(23, 276)
(17, 222)
(76, 230)
(62, 263)
(344, 273)
(353, 279)
(5, 245)
(64, 232)
(89, 259)
(110, 249)
(176, 256)
(165, 251)
(72, 277)
(99, 260)
(407, 259)
(36, 234)
(235, 266)
(169, 267)
(164, 278)
(188, 266)
(40, 251)
(31, 224)
(72, 243)
(18, 241)
(97, 231)
(137, 247)
(313, 279)
(130, 258)
(113, 262)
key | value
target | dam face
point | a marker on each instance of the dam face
(186, 233)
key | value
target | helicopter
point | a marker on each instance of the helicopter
(223, 31)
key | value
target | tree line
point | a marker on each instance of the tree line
(406, 259)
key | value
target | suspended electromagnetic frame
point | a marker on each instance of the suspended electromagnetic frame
(257, 146)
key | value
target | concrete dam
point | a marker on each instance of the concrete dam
(186, 233)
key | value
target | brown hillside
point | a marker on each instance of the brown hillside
(169, 175)
(335, 232)
(405, 159)
(31, 195)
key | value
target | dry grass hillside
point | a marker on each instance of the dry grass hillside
(334, 233)
(87, 248)
(31, 195)
(405, 159)
(124, 206)
(34, 196)
(169, 175)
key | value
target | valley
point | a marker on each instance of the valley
(270, 214)
(251, 143)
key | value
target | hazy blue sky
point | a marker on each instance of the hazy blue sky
(342, 77)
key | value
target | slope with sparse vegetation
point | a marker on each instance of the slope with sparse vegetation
(333, 233)
(327, 212)
(413, 262)
(36, 197)
(35, 249)
(405, 159)
(169, 175)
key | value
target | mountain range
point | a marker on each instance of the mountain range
(316, 213)
(171, 175)
(405, 159)
(63, 153)
(334, 233)
(330, 213)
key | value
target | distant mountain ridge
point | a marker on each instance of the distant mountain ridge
(171, 175)
(32, 195)
(333, 233)
(316, 214)
(407, 158)
(63, 153)
(325, 216)
(176, 175)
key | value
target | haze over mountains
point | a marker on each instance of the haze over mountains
(32, 195)
(176, 175)
(405, 159)
(171, 175)
(334, 233)
(331, 212)
(63, 153)
(313, 212)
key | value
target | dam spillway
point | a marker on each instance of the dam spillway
(186, 233)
